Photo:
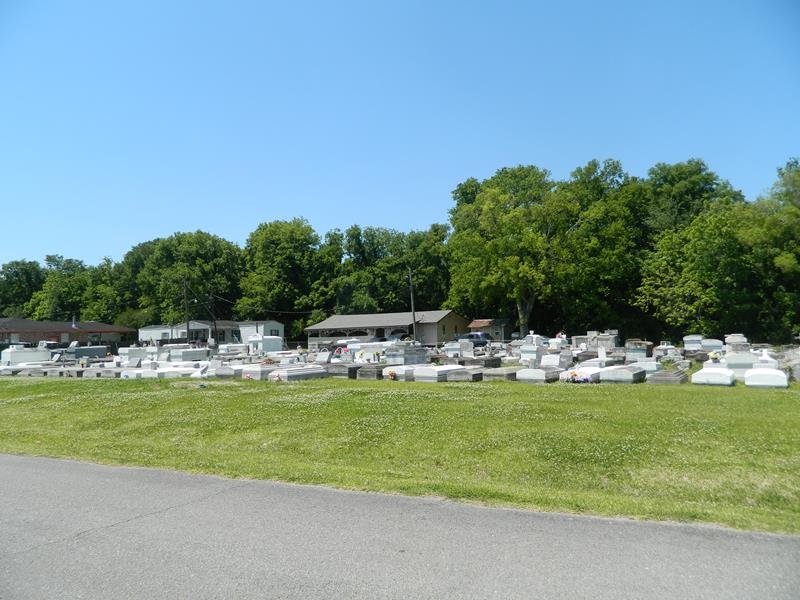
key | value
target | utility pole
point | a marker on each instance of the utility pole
(186, 304)
(413, 312)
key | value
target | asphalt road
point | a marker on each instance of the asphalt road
(76, 530)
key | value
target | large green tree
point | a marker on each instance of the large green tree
(19, 281)
(281, 266)
(61, 296)
(197, 267)
(733, 268)
(508, 241)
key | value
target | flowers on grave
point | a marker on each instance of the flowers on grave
(575, 377)
(391, 375)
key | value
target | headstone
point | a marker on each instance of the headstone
(399, 372)
(344, 370)
(648, 365)
(257, 372)
(766, 377)
(716, 376)
(224, 372)
(435, 373)
(468, 374)
(406, 354)
(501, 374)
(580, 375)
(735, 338)
(711, 345)
(765, 361)
(607, 340)
(692, 342)
(530, 354)
(663, 349)
(637, 350)
(489, 362)
(544, 375)
(623, 374)
(665, 377)
(370, 371)
(563, 360)
(739, 362)
(298, 372)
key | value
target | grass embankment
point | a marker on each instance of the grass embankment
(687, 453)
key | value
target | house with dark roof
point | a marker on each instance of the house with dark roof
(433, 327)
(14, 331)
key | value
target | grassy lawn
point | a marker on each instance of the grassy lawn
(686, 453)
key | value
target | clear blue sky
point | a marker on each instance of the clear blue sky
(125, 121)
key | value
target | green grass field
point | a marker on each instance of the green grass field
(685, 453)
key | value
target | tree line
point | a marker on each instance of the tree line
(677, 251)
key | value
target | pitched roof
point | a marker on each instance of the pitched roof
(14, 325)
(195, 322)
(480, 323)
(402, 319)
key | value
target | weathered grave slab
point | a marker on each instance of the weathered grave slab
(471, 374)
(665, 377)
(343, 370)
(501, 374)
(370, 371)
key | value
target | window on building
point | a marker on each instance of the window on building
(274, 332)
(221, 335)
(443, 329)
(164, 335)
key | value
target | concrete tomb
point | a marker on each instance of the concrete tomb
(544, 375)
(399, 372)
(343, 370)
(766, 377)
(435, 373)
(257, 372)
(675, 377)
(580, 375)
(406, 353)
(501, 374)
(637, 350)
(468, 374)
(298, 372)
(692, 342)
(711, 345)
(370, 371)
(623, 374)
(714, 376)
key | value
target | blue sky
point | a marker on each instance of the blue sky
(125, 121)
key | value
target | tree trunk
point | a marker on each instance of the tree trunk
(524, 309)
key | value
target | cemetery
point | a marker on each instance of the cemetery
(594, 357)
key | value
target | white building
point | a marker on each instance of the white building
(271, 328)
(223, 332)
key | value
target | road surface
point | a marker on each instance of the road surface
(77, 530)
